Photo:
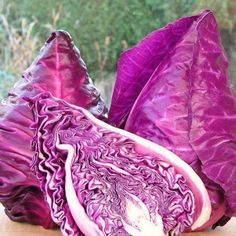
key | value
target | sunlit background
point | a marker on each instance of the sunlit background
(101, 29)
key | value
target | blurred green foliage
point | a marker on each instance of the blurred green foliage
(101, 29)
(225, 11)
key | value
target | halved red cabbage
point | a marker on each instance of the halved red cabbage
(100, 180)
(60, 70)
(189, 107)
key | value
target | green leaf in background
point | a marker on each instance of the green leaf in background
(6, 81)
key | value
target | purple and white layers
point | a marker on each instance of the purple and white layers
(100, 180)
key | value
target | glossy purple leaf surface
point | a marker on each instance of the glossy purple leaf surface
(188, 105)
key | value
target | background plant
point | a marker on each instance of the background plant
(102, 29)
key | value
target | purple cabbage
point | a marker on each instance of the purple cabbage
(137, 64)
(60, 70)
(184, 102)
(100, 180)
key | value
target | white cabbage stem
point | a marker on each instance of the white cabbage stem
(140, 223)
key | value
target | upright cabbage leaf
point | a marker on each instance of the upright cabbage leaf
(60, 70)
(188, 106)
(100, 180)
(137, 64)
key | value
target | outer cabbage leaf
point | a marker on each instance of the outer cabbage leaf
(60, 70)
(137, 64)
(188, 106)
(100, 180)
